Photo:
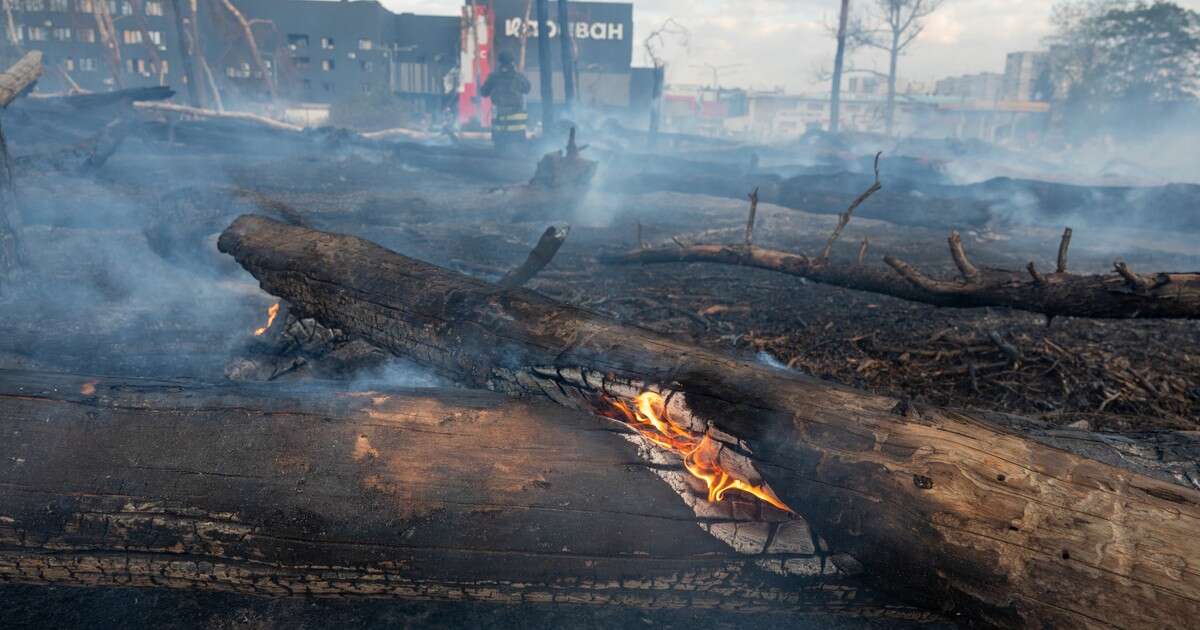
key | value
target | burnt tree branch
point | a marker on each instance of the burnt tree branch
(540, 256)
(1112, 296)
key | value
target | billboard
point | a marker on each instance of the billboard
(603, 33)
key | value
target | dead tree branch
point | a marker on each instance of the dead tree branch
(1113, 296)
(541, 255)
(844, 218)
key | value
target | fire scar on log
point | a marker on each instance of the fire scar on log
(709, 469)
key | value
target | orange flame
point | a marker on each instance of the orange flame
(700, 452)
(271, 313)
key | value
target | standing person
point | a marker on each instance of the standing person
(507, 88)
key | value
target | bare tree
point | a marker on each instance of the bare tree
(891, 26)
(835, 94)
(654, 44)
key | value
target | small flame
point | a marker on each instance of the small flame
(271, 313)
(700, 452)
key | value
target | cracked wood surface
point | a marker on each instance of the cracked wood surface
(430, 494)
(936, 506)
(1167, 295)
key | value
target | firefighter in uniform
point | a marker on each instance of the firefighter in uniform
(507, 88)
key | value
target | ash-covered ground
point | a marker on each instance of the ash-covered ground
(121, 277)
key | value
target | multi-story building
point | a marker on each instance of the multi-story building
(317, 51)
(95, 44)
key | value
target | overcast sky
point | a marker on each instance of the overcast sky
(784, 42)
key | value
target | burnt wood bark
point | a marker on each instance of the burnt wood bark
(1162, 295)
(314, 491)
(937, 506)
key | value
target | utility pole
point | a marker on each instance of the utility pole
(835, 99)
(545, 68)
(568, 55)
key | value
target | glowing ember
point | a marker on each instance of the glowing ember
(271, 313)
(700, 452)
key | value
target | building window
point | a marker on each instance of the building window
(302, 63)
(35, 5)
(126, 8)
(112, 7)
(327, 43)
(61, 6)
(296, 41)
(366, 88)
(86, 35)
(155, 37)
(61, 34)
(154, 8)
(87, 64)
(85, 6)
(132, 37)
(68, 64)
(365, 65)
(327, 65)
(306, 84)
(365, 44)
(327, 86)
(37, 34)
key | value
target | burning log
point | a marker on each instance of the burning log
(456, 495)
(938, 507)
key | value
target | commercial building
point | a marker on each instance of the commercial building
(319, 52)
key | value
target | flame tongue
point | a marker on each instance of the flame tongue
(271, 313)
(700, 453)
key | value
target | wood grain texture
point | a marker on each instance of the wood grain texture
(432, 494)
(936, 506)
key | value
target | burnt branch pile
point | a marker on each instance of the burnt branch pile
(976, 520)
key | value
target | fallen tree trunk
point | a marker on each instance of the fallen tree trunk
(936, 506)
(312, 491)
(1159, 295)
(20, 77)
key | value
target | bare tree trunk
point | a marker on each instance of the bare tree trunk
(893, 60)
(937, 506)
(252, 45)
(835, 98)
(108, 39)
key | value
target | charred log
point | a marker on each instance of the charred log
(938, 507)
(312, 491)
